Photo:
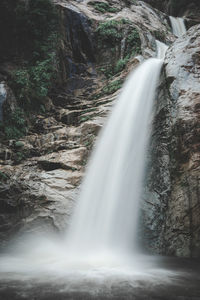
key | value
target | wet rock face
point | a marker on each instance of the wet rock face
(79, 35)
(158, 187)
(173, 179)
(78, 53)
(184, 206)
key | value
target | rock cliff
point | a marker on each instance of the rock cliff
(99, 43)
(173, 172)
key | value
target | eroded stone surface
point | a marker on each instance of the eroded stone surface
(173, 226)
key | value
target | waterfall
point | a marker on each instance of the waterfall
(106, 215)
(161, 50)
(178, 26)
(104, 224)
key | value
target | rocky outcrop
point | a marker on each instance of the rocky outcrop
(42, 171)
(184, 207)
(40, 174)
(176, 8)
(189, 10)
(173, 224)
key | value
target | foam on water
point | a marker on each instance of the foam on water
(98, 273)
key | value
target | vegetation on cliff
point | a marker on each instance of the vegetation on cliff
(123, 39)
(37, 31)
(35, 55)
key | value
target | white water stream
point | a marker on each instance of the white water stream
(105, 220)
(103, 228)
(178, 26)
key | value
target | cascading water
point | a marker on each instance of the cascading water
(106, 216)
(178, 26)
(103, 227)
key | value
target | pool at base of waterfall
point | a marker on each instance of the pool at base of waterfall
(171, 279)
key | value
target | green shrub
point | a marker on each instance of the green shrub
(112, 33)
(109, 89)
(21, 83)
(107, 71)
(112, 87)
(133, 43)
(15, 125)
(121, 64)
(112, 70)
(133, 48)
(37, 29)
(34, 82)
(103, 7)
(109, 31)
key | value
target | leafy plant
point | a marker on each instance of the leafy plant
(109, 31)
(103, 7)
(112, 33)
(107, 71)
(34, 82)
(15, 126)
(112, 87)
(121, 64)
(109, 89)
(37, 29)
(133, 42)
(111, 70)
